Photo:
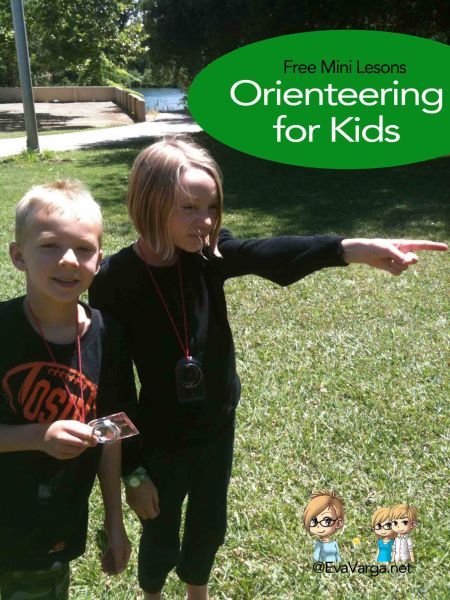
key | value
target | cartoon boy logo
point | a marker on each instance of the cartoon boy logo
(404, 519)
(323, 516)
(382, 526)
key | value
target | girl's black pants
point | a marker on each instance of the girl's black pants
(201, 471)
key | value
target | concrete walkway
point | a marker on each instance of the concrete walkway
(164, 124)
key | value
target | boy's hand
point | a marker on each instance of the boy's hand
(118, 552)
(67, 439)
(394, 256)
(144, 500)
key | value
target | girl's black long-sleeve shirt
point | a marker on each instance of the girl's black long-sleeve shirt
(124, 287)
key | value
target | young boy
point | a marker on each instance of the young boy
(62, 365)
(404, 519)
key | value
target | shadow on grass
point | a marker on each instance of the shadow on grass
(399, 202)
(179, 119)
(12, 122)
(108, 177)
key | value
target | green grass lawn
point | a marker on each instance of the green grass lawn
(345, 374)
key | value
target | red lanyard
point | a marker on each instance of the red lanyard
(184, 347)
(79, 406)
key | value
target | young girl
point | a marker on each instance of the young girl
(382, 526)
(167, 290)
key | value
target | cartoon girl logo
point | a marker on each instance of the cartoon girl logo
(382, 527)
(323, 516)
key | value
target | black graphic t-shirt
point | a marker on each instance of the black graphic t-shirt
(44, 501)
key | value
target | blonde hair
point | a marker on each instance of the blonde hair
(319, 502)
(154, 186)
(380, 515)
(401, 511)
(63, 197)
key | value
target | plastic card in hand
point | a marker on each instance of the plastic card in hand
(113, 428)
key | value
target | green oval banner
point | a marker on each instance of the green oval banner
(341, 99)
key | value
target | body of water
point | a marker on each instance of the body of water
(163, 99)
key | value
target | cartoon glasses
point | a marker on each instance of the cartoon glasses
(325, 522)
(386, 526)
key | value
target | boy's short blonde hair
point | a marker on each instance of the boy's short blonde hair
(403, 511)
(319, 502)
(380, 515)
(64, 197)
(154, 186)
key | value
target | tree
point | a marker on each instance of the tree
(192, 33)
(87, 41)
(9, 75)
(76, 41)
